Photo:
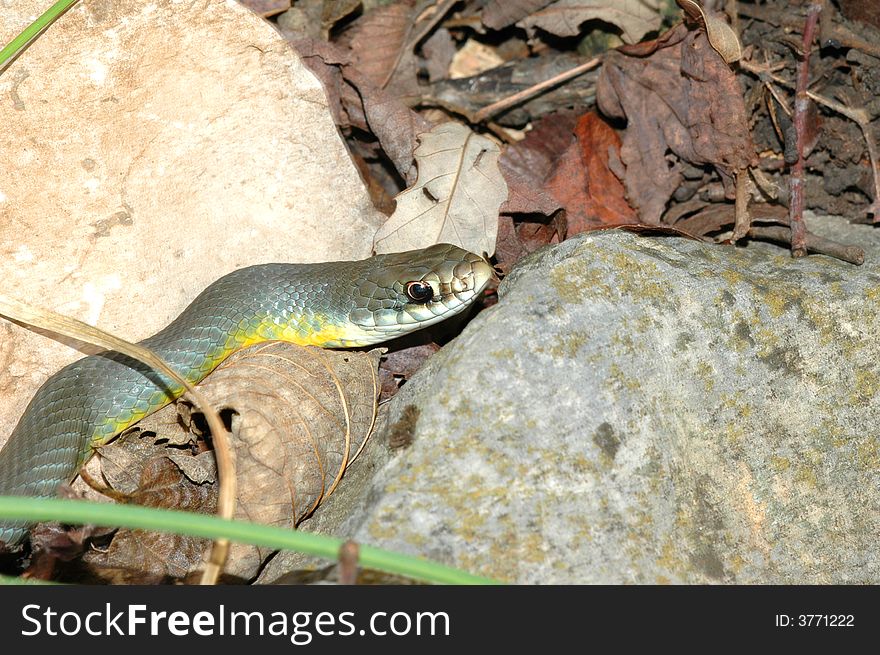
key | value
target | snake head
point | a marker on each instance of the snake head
(402, 292)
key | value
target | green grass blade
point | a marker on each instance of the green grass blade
(202, 525)
(32, 31)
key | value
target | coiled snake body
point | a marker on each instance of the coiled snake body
(333, 304)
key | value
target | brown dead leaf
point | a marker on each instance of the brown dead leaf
(438, 49)
(334, 11)
(123, 460)
(498, 14)
(678, 95)
(533, 157)
(303, 19)
(327, 61)
(398, 366)
(455, 198)
(395, 125)
(527, 164)
(143, 557)
(517, 238)
(357, 102)
(524, 197)
(583, 183)
(302, 415)
(299, 417)
(635, 18)
(721, 35)
(381, 46)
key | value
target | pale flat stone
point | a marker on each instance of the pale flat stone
(149, 148)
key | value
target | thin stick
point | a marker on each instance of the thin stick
(742, 218)
(801, 105)
(497, 107)
(815, 243)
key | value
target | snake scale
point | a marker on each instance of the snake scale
(331, 304)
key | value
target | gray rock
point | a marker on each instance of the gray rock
(649, 410)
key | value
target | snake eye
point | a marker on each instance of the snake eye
(420, 292)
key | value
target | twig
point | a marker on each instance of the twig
(801, 105)
(497, 107)
(742, 218)
(349, 553)
(814, 243)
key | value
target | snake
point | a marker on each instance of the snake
(337, 304)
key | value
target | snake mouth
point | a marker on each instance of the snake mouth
(456, 276)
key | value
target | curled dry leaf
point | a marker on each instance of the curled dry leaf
(456, 196)
(266, 8)
(635, 18)
(721, 35)
(678, 95)
(302, 415)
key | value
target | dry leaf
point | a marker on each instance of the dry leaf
(302, 415)
(676, 94)
(583, 183)
(397, 366)
(381, 48)
(455, 198)
(472, 59)
(528, 163)
(438, 49)
(335, 11)
(516, 239)
(721, 35)
(498, 14)
(299, 417)
(143, 557)
(357, 102)
(266, 8)
(635, 18)
(123, 460)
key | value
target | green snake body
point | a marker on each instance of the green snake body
(333, 304)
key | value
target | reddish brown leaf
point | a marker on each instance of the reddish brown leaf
(508, 248)
(533, 157)
(527, 164)
(524, 196)
(516, 239)
(583, 183)
(398, 366)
